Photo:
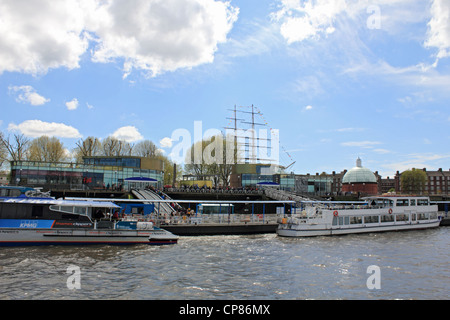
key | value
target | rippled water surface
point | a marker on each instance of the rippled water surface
(413, 265)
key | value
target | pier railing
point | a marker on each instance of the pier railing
(214, 190)
(225, 218)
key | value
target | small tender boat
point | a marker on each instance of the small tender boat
(48, 221)
(375, 214)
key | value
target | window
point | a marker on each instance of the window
(422, 216)
(422, 202)
(80, 210)
(355, 220)
(402, 202)
(67, 209)
(340, 220)
(401, 217)
(370, 219)
(387, 218)
(413, 202)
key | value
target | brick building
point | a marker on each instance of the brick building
(360, 180)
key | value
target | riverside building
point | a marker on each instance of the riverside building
(113, 173)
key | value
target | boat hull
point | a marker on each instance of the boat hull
(313, 232)
(36, 237)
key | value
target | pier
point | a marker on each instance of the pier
(211, 217)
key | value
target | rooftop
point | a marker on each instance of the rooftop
(359, 174)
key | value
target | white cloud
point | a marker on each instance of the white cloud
(89, 106)
(128, 134)
(302, 20)
(361, 144)
(158, 36)
(40, 34)
(166, 142)
(308, 20)
(37, 128)
(254, 38)
(382, 151)
(150, 35)
(308, 108)
(439, 28)
(27, 94)
(72, 105)
(310, 86)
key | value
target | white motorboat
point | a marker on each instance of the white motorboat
(375, 214)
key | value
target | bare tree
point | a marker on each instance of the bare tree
(218, 154)
(15, 150)
(113, 147)
(46, 149)
(3, 151)
(91, 146)
(145, 149)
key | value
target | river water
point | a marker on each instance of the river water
(412, 265)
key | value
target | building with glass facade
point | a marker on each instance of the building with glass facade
(115, 173)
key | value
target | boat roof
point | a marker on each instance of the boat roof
(61, 202)
(396, 196)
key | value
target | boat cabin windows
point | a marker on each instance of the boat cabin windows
(70, 209)
(371, 219)
(341, 221)
(5, 192)
(355, 220)
(422, 202)
(423, 216)
(401, 217)
(412, 202)
(402, 202)
(381, 203)
(387, 218)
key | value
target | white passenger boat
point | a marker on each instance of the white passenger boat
(28, 221)
(375, 214)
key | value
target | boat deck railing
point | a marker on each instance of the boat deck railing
(225, 218)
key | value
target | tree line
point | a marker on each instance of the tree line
(18, 147)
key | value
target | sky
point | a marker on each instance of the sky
(338, 79)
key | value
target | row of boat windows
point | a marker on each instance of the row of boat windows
(12, 211)
(4, 192)
(70, 209)
(383, 218)
(400, 202)
(412, 202)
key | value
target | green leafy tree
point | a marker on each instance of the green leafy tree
(413, 181)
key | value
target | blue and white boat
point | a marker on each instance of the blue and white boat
(28, 218)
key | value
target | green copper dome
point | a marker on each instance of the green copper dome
(359, 174)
